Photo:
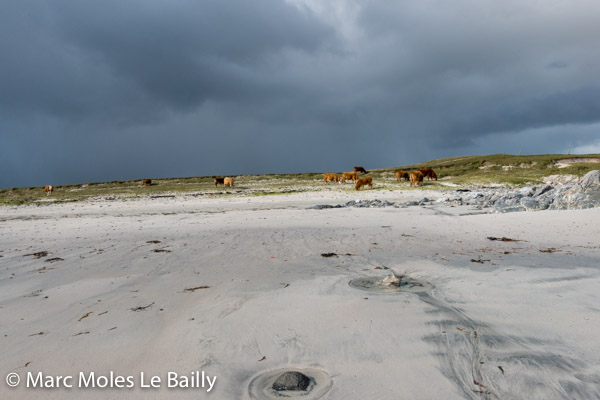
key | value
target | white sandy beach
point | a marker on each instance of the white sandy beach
(503, 320)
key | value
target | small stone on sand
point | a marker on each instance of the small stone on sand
(391, 280)
(291, 380)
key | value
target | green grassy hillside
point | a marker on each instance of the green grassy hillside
(501, 169)
(507, 169)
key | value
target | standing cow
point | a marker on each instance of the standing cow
(416, 177)
(219, 180)
(48, 189)
(402, 175)
(353, 176)
(366, 181)
(331, 177)
(429, 173)
(360, 169)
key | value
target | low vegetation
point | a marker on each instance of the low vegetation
(496, 169)
(506, 169)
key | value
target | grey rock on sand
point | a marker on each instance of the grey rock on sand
(591, 181)
(558, 193)
(391, 280)
(560, 179)
(291, 380)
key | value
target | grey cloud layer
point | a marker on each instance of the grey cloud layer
(81, 57)
(284, 88)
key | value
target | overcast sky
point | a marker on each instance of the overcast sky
(113, 89)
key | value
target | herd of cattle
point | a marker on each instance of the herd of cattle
(415, 178)
(225, 181)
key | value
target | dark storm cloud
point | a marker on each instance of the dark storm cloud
(579, 106)
(482, 67)
(73, 58)
(123, 89)
(186, 52)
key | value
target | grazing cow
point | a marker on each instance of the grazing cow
(428, 172)
(402, 175)
(360, 169)
(228, 181)
(219, 179)
(353, 176)
(416, 177)
(147, 182)
(363, 182)
(48, 189)
(331, 177)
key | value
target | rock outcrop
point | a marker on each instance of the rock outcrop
(584, 193)
(553, 195)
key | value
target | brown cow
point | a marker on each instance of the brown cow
(428, 172)
(402, 175)
(219, 179)
(228, 181)
(416, 177)
(353, 176)
(146, 182)
(48, 189)
(363, 182)
(360, 169)
(331, 177)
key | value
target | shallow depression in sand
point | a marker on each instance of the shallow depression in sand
(261, 387)
(373, 284)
